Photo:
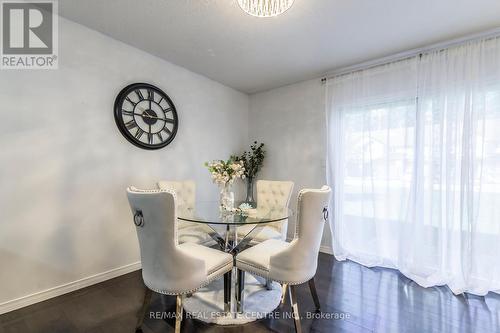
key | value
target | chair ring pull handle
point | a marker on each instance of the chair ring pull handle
(325, 214)
(138, 219)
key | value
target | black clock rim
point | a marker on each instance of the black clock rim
(121, 125)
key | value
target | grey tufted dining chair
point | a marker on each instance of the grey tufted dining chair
(292, 263)
(188, 232)
(167, 267)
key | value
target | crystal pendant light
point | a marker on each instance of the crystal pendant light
(265, 8)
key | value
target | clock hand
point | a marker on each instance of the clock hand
(144, 114)
(149, 116)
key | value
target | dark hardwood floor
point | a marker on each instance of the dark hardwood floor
(359, 299)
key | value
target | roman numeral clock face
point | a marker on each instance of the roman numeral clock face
(146, 116)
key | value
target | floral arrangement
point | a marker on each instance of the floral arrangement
(225, 172)
(252, 160)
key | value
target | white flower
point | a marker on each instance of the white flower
(244, 206)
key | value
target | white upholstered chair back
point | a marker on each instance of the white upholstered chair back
(185, 191)
(165, 267)
(298, 262)
(274, 195)
(186, 197)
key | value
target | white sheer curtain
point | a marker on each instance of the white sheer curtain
(414, 161)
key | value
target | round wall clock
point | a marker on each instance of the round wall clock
(146, 116)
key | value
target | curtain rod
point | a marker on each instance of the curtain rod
(410, 53)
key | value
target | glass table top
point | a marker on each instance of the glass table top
(209, 212)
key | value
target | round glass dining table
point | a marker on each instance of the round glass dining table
(225, 227)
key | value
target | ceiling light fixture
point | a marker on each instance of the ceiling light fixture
(265, 8)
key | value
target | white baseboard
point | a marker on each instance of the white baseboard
(66, 288)
(326, 249)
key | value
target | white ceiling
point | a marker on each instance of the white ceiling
(216, 39)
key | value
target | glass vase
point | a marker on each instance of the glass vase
(249, 199)
(226, 198)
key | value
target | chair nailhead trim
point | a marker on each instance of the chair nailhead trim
(208, 281)
(267, 277)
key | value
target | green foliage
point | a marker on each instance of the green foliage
(252, 160)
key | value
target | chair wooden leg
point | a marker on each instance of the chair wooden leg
(227, 292)
(293, 302)
(240, 291)
(178, 314)
(283, 293)
(312, 287)
(142, 312)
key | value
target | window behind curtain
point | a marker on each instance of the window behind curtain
(414, 160)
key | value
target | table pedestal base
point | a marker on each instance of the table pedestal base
(207, 304)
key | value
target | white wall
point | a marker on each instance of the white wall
(64, 166)
(291, 122)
